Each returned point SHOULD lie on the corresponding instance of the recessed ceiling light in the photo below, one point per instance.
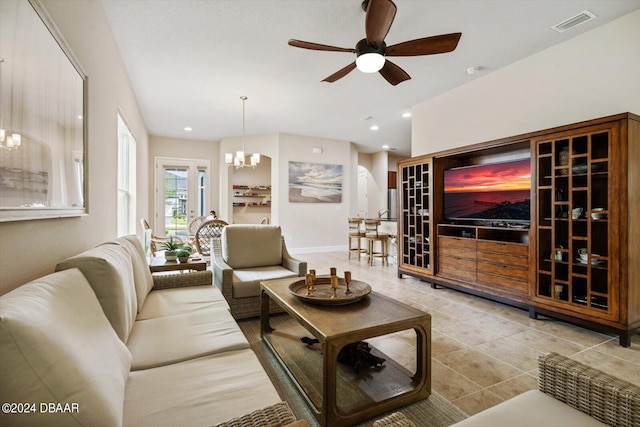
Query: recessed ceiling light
(406, 115)
(472, 70)
(374, 127)
(385, 147)
(188, 129)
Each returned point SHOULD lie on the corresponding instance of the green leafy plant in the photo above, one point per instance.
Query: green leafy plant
(183, 253)
(171, 246)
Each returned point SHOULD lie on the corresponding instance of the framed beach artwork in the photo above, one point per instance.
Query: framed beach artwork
(43, 113)
(315, 183)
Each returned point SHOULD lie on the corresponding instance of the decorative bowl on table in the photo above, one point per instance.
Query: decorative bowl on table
(322, 293)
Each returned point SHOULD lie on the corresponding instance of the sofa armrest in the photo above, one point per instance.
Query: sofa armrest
(290, 263)
(604, 397)
(222, 272)
(196, 278)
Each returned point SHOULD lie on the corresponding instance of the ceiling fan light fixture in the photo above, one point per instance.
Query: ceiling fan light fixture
(370, 62)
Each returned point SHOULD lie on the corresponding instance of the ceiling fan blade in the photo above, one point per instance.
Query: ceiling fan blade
(340, 73)
(318, 46)
(380, 14)
(393, 74)
(425, 46)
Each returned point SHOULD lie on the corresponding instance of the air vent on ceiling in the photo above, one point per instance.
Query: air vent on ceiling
(578, 19)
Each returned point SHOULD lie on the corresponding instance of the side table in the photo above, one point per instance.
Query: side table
(159, 264)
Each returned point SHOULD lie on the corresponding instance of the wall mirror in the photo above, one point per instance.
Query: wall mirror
(42, 118)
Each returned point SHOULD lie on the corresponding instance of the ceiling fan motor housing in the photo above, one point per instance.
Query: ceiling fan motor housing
(363, 47)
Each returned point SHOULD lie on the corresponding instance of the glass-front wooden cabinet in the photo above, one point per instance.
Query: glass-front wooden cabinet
(575, 194)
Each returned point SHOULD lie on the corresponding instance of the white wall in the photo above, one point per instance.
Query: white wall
(315, 225)
(592, 75)
(380, 173)
(43, 243)
(377, 166)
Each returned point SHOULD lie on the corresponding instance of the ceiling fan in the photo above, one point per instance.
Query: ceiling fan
(372, 50)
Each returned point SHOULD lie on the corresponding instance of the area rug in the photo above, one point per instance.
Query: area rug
(434, 411)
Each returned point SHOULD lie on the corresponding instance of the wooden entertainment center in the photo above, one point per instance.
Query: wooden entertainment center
(585, 198)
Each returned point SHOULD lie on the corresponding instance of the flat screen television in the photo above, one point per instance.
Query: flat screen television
(494, 192)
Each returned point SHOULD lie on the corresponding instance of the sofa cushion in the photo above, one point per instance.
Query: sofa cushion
(108, 270)
(203, 391)
(171, 339)
(57, 346)
(142, 278)
(251, 245)
(167, 302)
(246, 281)
(530, 409)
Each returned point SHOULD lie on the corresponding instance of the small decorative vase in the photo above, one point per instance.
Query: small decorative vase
(170, 255)
(183, 259)
(559, 289)
(563, 160)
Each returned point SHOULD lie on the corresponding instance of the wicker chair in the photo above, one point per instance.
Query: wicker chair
(155, 240)
(587, 390)
(210, 229)
(195, 223)
(245, 255)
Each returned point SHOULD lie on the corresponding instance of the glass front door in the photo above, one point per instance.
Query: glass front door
(181, 189)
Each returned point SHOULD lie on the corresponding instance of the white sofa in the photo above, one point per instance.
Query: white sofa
(98, 337)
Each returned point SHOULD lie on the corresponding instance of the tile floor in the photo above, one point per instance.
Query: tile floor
(483, 352)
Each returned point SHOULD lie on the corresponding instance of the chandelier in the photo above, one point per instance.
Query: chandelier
(8, 141)
(240, 159)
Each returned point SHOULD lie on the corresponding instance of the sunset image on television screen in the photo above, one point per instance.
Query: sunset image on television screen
(493, 177)
(497, 191)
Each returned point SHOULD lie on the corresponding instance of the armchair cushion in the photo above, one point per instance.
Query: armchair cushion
(246, 281)
(265, 242)
(531, 409)
(58, 346)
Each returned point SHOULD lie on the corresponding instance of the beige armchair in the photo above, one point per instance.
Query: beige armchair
(244, 256)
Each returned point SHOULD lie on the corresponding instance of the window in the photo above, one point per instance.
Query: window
(126, 180)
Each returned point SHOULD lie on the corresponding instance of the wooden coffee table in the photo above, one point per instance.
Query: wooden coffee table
(335, 393)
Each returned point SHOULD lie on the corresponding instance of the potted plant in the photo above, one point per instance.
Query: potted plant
(183, 254)
(170, 248)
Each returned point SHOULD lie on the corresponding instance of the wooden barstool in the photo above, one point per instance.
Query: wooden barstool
(372, 235)
(357, 234)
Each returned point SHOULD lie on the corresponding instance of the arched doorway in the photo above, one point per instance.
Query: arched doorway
(251, 193)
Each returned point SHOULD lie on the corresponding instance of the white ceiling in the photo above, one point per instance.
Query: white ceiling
(189, 61)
